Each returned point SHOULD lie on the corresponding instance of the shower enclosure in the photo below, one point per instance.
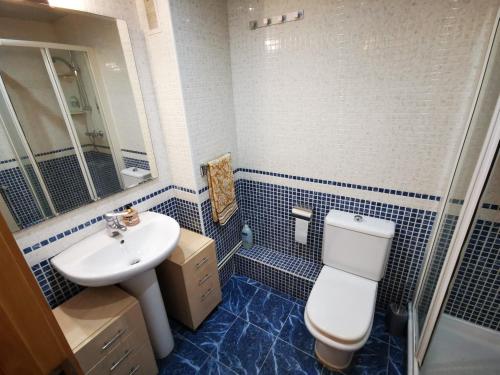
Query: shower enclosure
(56, 136)
(455, 316)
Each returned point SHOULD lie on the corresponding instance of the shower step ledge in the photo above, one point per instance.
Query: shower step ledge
(293, 265)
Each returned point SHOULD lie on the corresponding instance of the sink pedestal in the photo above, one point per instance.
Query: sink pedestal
(145, 288)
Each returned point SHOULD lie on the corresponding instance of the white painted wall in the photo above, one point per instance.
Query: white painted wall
(372, 93)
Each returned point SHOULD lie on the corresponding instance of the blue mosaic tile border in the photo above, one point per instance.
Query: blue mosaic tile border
(134, 151)
(278, 279)
(266, 208)
(92, 221)
(135, 163)
(282, 261)
(226, 271)
(187, 215)
(7, 161)
(57, 289)
(344, 184)
(54, 286)
(474, 295)
(226, 236)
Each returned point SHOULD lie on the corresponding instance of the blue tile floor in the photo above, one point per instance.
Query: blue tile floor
(259, 330)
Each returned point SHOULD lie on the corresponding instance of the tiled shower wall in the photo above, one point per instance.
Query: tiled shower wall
(64, 181)
(474, 291)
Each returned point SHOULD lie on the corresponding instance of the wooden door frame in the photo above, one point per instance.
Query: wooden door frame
(31, 341)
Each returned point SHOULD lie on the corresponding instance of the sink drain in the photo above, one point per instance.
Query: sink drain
(134, 261)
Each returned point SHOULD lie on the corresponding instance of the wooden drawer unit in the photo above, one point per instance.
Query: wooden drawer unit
(106, 331)
(189, 279)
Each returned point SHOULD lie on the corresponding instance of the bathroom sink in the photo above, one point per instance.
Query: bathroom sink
(128, 259)
(100, 260)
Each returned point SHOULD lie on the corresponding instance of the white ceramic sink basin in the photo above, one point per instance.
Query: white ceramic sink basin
(129, 260)
(100, 260)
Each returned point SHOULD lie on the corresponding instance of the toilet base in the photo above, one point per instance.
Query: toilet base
(332, 358)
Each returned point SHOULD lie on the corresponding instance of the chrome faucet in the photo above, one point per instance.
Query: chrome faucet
(113, 225)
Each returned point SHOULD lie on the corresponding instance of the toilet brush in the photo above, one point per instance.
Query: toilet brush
(396, 317)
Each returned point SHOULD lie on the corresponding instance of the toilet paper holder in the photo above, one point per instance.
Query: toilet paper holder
(302, 213)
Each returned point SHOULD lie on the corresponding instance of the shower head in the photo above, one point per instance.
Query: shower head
(72, 67)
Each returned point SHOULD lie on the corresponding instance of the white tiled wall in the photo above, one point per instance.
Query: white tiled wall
(202, 42)
(163, 62)
(367, 92)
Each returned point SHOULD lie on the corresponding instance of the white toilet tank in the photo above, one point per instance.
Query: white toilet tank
(133, 176)
(357, 244)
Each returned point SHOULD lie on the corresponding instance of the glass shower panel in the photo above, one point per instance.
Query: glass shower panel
(77, 83)
(32, 95)
(466, 339)
(483, 112)
(20, 191)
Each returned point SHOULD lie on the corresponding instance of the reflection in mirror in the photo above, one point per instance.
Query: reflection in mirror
(72, 122)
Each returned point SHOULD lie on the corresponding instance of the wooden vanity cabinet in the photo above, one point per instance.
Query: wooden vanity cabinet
(106, 331)
(189, 279)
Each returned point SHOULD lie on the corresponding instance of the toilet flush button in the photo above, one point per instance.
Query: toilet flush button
(358, 218)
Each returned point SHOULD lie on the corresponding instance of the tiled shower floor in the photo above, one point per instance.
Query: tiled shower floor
(258, 330)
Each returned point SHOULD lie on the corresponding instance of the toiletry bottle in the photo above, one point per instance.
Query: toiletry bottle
(247, 237)
(131, 218)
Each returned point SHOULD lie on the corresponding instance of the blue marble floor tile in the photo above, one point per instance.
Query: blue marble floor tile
(285, 359)
(295, 331)
(371, 359)
(212, 367)
(226, 344)
(253, 282)
(244, 347)
(236, 295)
(396, 361)
(267, 311)
(378, 327)
(175, 326)
(211, 332)
(398, 342)
(185, 359)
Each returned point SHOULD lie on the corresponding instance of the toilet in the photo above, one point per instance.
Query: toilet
(340, 309)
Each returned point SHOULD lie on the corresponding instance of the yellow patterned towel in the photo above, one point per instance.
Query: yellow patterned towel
(221, 189)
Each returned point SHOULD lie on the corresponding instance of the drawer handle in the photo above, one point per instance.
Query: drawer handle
(204, 296)
(134, 370)
(122, 358)
(204, 279)
(202, 262)
(108, 344)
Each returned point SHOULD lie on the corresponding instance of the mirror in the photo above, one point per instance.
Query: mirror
(73, 128)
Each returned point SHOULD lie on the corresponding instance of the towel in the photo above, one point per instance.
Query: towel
(221, 189)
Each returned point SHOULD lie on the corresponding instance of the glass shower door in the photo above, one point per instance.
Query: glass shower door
(77, 83)
(466, 339)
(429, 296)
(43, 125)
(20, 193)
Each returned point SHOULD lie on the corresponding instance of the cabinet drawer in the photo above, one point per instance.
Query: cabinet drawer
(117, 360)
(196, 282)
(109, 339)
(197, 266)
(142, 362)
(204, 301)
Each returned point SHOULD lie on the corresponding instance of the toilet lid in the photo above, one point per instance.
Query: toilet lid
(341, 305)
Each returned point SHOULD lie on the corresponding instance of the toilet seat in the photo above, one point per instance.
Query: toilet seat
(340, 308)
